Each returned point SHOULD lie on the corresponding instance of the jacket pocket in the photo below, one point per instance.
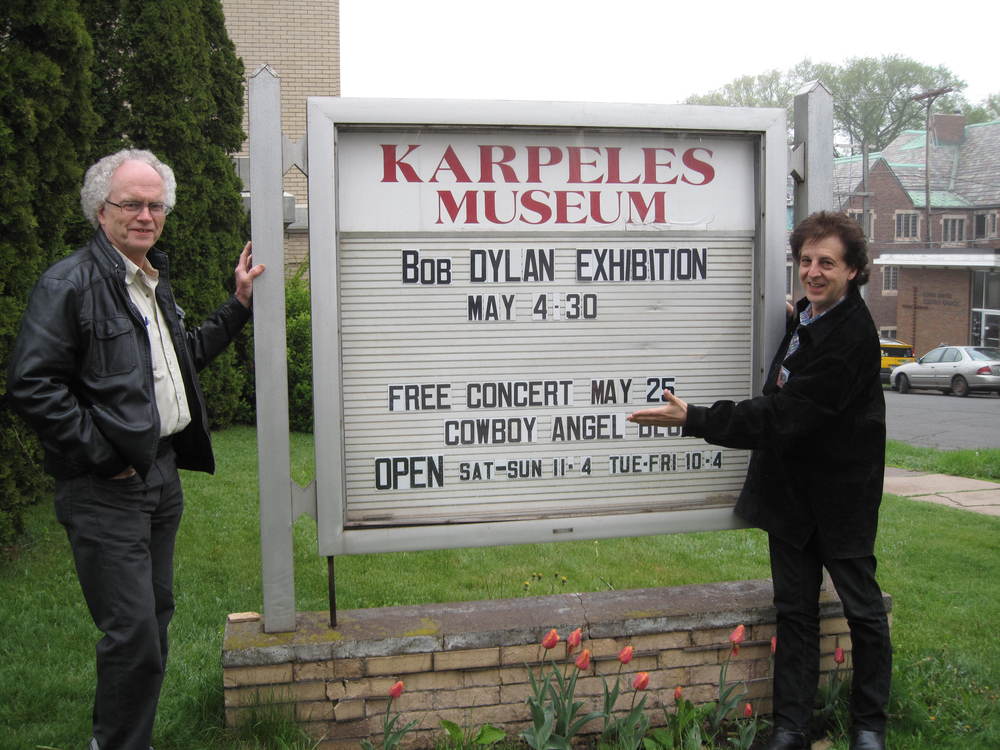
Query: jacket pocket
(113, 347)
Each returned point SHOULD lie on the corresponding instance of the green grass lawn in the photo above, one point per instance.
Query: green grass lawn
(941, 565)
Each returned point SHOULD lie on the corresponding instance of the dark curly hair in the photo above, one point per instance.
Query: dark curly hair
(823, 224)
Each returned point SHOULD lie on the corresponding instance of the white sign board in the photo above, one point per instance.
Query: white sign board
(497, 285)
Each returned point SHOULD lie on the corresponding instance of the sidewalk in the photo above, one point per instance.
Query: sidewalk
(955, 492)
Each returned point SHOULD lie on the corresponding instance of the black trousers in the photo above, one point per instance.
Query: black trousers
(797, 576)
(122, 535)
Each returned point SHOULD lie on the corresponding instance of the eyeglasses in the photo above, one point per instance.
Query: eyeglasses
(134, 208)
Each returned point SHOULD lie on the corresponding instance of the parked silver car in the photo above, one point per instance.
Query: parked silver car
(951, 369)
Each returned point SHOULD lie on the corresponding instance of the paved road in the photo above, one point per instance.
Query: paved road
(933, 420)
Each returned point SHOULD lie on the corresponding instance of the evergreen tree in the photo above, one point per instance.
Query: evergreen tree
(46, 123)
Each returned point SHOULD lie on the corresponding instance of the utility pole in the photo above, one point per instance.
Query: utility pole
(929, 96)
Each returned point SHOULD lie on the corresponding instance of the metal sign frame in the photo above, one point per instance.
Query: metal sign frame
(327, 116)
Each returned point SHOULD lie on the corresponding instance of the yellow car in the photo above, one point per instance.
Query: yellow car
(894, 354)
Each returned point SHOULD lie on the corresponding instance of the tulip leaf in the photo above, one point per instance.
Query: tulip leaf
(489, 735)
(454, 730)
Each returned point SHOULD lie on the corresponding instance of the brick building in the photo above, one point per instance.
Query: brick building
(300, 41)
(947, 289)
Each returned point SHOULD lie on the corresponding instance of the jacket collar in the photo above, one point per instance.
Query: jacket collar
(821, 328)
(108, 257)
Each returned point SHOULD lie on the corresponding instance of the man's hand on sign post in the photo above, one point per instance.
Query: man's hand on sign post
(671, 414)
(244, 275)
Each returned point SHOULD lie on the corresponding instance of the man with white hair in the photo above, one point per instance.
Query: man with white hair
(105, 371)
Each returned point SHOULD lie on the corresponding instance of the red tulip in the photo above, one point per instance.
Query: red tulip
(747, 711)
(678, 692)
(737, 637)
(774, 643)
(573, 640)
(625, 655)
(396, 690)
(583, 660)
(838, 655)
(641, 681)
(550, 639)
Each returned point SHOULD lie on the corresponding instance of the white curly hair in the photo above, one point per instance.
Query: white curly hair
(97, 182)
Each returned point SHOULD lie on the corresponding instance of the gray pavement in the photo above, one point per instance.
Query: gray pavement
(955, 492)
(931, 420)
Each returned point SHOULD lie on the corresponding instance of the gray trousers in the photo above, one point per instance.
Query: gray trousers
(122, 535)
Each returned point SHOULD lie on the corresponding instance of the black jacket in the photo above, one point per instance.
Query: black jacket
(818, 442)
(81, 373)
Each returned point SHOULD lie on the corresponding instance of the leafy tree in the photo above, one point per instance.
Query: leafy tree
(773, 88)
(986, 111)
(46, 122)
(872, 97)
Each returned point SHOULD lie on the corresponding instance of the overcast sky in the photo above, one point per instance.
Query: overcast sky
(658, 51)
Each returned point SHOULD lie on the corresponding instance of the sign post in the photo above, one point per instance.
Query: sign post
(274, 462)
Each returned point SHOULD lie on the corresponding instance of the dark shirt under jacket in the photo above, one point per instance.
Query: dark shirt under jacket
(819, 441)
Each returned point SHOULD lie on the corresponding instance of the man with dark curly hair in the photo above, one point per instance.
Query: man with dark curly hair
(105, 371)
(814, 483)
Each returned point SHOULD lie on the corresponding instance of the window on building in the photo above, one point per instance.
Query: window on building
(985, 322)
(865, 221)
(890, 278)
(985, 225)
(953, 230)
(985, 329)
(906, 225)
(981, 227)
(886, 332)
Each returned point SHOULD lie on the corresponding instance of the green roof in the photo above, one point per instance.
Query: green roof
(919, 140)
(939, 199)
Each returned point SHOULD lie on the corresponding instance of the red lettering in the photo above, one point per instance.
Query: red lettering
(575, 153)
(535, 164)
(451, 163)
(638, 202)
(487, 162)
(490, 207)
(563, 205)
(614, 167)
(650, 166)
(390, 164)
(706, 170)
(532, 204)
(446, 200)
(595, 207)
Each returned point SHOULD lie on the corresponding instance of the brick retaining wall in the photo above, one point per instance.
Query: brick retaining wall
(467, 661)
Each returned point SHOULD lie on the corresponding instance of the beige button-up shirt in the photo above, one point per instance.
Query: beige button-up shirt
(168, 383)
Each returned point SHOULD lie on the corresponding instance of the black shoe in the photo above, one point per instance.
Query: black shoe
(787, 739)
(867, 739)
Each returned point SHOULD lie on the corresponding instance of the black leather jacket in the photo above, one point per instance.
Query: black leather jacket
(81, 373)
